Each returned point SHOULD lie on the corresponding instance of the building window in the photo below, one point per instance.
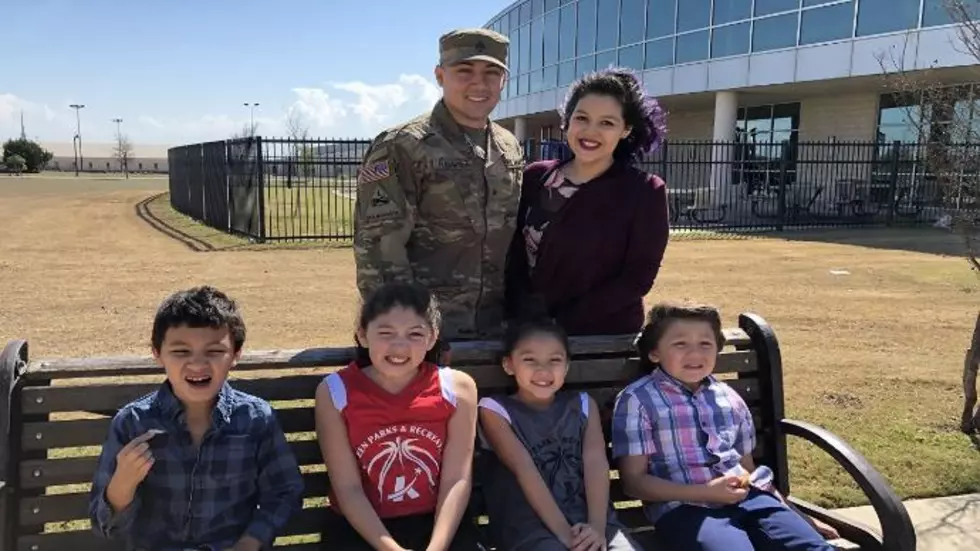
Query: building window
(883, 16)
(90, 165)
(632, 21)
(549, 77)
(605, 60)
(584, 65)
(828, 23)
(730, 40)
(728, 11)
(693, 14)
(692, 47)
(660, 53)
(551, 37)
(631, 56)
(660, 17)
(537, 8)
(514, 52)
(156, 166)
(525, 12)
(899, 118)
(566, 73)
(586, 26)
(773, 33)
(761, 132)
(550, 5)
(514, 18)
(566, 43)
(525, 39)
(767, 7)
(537, 44)
(140, 166)
(607, 34)
(808, 3)
(537, 81)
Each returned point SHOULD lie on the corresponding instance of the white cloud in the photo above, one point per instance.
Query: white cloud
(11, 107)
(351, 109)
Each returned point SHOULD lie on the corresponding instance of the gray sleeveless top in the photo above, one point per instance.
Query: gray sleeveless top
(554, 439)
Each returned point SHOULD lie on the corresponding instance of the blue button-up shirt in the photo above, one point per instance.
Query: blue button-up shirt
(242, 480)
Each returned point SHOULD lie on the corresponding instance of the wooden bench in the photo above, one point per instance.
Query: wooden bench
(51, 441)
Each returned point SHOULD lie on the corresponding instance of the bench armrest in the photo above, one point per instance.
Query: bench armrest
(898, 534)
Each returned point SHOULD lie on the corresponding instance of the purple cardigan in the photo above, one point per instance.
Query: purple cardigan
(599, 256)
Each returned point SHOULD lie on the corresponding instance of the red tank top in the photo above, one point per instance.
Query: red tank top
(397, 438)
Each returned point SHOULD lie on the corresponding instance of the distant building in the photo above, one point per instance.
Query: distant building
(98, 157)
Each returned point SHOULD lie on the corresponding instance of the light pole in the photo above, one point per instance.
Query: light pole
(77, 140)
(123, 154)
(251, 116)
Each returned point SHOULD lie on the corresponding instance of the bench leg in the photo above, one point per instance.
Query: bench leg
(13, 359)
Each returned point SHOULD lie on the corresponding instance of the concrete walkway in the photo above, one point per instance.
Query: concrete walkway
(941, 524)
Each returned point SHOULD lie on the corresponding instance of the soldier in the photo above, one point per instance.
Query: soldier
(437, 196)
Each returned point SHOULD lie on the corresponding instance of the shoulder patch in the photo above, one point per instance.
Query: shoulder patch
(381, 206)
(374, 172)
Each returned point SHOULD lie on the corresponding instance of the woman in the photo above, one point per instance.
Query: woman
(592, 230)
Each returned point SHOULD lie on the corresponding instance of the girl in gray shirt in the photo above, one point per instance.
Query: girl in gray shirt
(549, 485)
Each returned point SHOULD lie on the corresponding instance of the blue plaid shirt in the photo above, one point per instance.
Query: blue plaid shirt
(243, 480)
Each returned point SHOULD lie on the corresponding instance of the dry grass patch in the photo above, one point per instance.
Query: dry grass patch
(874, 355)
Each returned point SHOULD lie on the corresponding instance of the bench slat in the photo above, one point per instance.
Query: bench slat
(463, 352)
(110, 397)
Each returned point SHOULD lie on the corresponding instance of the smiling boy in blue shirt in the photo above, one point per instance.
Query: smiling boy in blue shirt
(196, 464)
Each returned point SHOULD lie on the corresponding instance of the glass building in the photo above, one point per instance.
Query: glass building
(800, 69)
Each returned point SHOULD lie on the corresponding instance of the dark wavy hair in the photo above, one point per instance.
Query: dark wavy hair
(642, 113)
(198, 307)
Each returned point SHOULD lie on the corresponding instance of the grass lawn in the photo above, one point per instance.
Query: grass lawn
(874, 354)
(323, 209)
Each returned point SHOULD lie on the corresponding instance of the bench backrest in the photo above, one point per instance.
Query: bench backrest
(54, 436)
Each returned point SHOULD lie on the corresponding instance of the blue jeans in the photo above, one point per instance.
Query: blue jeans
(760, 522)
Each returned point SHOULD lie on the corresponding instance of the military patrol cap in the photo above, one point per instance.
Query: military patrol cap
(473, 45)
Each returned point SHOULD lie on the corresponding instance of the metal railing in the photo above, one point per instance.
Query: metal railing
(284, 189)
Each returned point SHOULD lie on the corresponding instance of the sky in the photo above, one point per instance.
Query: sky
(179, 71)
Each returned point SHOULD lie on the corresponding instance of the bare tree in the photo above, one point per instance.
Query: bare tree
(123, 152)
(298, 127)
(947, 127)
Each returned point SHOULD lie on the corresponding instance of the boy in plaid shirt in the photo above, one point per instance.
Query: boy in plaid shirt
(195, 464)
(684, 440)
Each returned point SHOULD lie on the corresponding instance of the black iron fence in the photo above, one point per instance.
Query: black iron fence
(283, 189)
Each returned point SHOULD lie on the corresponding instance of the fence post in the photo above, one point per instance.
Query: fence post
(259, 168)
(663, 159)
(781, 196)
(893, 184)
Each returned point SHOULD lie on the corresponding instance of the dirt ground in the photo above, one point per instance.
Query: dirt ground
(873, 324)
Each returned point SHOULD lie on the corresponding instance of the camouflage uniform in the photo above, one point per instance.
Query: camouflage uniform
(437, 207)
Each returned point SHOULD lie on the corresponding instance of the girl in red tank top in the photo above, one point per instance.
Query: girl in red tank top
(397, 433)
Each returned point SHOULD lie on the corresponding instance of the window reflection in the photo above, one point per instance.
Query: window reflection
(882, 16)
(608, 24)
(586, 26)
(605, 59)
(631, 56)
(632, 21)
(766, 7)
(730, 40)
(566, 42)
(660, 17)
(692, 47)
(537, 43)
(584, 65)
(693, 14)
(773, 33)
(551, 36)
(566, 73)
(825, 24)
(659, 53)
(729, 11)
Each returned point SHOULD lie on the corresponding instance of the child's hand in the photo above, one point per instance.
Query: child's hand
(827, 531)
(587, 538)
(726, 490)
(133, 463)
